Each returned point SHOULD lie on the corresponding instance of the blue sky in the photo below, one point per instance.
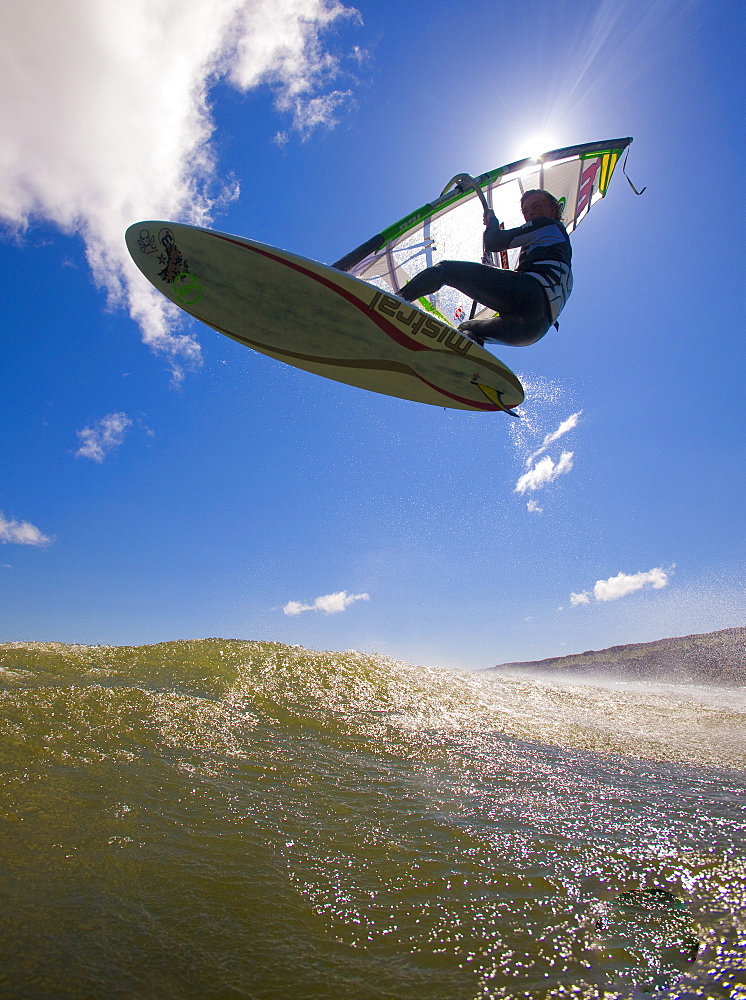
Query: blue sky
(163, 482)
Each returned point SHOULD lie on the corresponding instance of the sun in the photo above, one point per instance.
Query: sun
(534, 147)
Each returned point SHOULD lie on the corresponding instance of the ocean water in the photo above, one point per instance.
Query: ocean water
(232, 819)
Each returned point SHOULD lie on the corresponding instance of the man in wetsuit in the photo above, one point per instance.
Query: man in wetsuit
(529, 299)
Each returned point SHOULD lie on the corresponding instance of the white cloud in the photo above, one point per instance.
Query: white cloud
(621, 585)
(295, 607)
(564, 427)
(21, 533)
(624, 583)
(115, 123)
(106, 434)
(330, 604)
(545, 471)
(534, 508)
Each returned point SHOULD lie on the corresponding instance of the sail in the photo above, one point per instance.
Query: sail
(451, 227)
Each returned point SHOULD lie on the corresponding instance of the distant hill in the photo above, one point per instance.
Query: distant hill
(713, 658)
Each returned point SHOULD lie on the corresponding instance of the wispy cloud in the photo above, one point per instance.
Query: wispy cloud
(330, 604)
(545, 471)
(621, 585)
(21, 533)
(534, 508)
(567, 425)
(122, 125)
(103, 437)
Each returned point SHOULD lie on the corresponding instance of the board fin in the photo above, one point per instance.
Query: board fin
(494, 396)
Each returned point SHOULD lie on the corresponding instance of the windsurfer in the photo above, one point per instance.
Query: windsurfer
(527, 300)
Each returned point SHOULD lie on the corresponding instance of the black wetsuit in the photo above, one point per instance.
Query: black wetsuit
(529, 299)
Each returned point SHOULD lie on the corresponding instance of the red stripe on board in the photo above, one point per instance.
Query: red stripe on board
(388, 328)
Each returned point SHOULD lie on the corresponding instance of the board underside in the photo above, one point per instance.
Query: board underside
(319, 319)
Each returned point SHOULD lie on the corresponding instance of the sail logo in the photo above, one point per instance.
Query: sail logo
(587, 180)
(419, 323)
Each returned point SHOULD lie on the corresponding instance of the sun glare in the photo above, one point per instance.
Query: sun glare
(535, 147)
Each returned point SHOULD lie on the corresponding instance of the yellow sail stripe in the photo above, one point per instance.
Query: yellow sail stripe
(608, 162)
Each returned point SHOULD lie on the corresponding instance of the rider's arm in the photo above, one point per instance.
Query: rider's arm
(538, 231)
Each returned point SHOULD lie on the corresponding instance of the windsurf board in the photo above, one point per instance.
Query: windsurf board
(319, 319)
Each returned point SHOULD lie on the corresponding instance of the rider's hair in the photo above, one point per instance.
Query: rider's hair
(557, 206)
